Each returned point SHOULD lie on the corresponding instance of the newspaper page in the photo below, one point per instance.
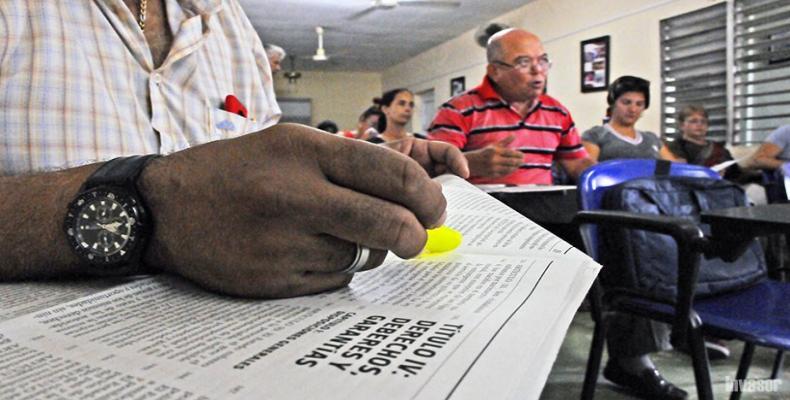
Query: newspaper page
(20, 298)
(490, 227)
(502, 188)
(464, 325)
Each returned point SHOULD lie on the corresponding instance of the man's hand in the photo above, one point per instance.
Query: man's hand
(277, 213)
(435, 157)
(494, 160)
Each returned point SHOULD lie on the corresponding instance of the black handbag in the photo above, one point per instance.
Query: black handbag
(647, 262)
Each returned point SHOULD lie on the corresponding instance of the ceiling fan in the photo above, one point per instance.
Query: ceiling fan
(320, 53)
(390, 4)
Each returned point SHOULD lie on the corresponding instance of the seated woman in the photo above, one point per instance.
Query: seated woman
(397, 106)
(693, 147)
(628, 97)
(630, 339)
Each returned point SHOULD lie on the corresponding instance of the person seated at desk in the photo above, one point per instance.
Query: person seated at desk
(509, 130)
(366, 125)
(89, 82)
(628, 98)
(630, 339)
(693, 146)
(775, 150)
(397, 107)
(773, 156)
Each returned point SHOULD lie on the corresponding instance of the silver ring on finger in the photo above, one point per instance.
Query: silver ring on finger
(360, 259)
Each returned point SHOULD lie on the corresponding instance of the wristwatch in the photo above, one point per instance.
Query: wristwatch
(107, 224)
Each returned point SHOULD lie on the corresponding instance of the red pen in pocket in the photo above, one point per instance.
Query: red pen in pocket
(233, 105)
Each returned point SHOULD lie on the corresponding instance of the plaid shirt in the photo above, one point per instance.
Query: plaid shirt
(78, 85)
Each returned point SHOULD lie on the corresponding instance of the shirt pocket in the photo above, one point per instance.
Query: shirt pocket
(225, 125)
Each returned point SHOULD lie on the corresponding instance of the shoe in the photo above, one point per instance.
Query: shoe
(716, 349)
(649, 384)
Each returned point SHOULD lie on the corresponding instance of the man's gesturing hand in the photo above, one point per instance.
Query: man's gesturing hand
(277, 213)
(435, 157)
(494, 160)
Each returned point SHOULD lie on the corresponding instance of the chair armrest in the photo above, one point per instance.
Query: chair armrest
(690, 242)
(681, 229)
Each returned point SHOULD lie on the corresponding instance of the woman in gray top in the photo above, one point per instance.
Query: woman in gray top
(628, 97)
(631, 339)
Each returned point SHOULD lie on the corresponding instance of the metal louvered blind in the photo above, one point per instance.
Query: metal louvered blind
(762, 68)
(694, 68)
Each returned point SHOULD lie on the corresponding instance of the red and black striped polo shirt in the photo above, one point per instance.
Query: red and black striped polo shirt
(480, 117)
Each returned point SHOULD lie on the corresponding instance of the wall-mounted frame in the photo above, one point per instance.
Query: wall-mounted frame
(457, 86)
(595, 64)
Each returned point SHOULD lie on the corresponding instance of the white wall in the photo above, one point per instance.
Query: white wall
(337, 96)
(633, 27)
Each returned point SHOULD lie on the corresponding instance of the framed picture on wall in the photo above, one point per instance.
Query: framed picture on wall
(457, 86)
(595, 64)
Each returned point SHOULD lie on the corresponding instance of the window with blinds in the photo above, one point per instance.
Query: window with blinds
(696, 59)
(694, 68)
(761, 68)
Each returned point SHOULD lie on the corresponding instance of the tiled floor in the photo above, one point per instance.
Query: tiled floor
(567, 375)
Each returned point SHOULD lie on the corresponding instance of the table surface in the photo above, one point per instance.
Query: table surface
(733, 229)
(777, 215)
(557, 206)
(552, 209)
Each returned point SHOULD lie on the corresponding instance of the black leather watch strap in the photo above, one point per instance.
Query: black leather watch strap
(121, 171)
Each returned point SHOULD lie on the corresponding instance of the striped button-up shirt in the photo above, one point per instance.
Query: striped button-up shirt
(78, 84)
(480, 117)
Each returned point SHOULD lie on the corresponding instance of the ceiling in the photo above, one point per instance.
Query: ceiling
(373, 42)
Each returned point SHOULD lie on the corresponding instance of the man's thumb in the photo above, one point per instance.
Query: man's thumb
(506, 141)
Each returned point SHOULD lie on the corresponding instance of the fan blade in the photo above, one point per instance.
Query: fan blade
(431, 3)
(362, 13)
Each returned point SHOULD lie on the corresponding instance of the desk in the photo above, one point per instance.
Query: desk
(551, 208)
(732, 229)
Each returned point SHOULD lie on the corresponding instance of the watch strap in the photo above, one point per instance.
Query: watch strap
(121, 171)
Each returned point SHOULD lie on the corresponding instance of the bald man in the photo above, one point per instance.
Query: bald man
(509, 130)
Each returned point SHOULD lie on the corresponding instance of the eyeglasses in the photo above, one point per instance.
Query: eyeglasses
(526, 63)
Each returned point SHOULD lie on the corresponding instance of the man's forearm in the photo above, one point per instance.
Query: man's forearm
(32, 242)
(575, 167)
(767, 163)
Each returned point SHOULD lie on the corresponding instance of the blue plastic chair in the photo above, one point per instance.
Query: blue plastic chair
(758, 315)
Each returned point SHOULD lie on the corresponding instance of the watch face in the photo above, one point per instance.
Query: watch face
(103, 225)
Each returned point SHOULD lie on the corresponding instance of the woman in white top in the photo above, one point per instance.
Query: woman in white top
(397, 107)
(628, 98)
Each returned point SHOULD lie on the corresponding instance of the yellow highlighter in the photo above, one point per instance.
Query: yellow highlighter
(441, 240)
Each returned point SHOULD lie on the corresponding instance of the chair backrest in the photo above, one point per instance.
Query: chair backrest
(595, 180)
